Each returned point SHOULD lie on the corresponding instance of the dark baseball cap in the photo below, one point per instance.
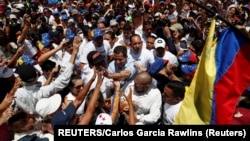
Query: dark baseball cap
(95, 57)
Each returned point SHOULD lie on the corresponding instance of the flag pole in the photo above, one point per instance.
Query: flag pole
(219, 17)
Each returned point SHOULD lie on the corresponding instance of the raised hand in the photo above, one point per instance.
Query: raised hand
(128, 96)
(63, 42)
(20, 51)
(6, 115)
(99, 78)
(170, 69)
(17, 84)
(94, 74)
(77, 41)
(105, 71)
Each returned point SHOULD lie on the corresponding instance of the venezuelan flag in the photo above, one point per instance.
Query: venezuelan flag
(221, 77)
(232, 74)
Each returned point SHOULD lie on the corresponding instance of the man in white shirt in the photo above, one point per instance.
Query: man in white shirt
(173, 95)
(96, 59)
(28, 95)
(142, 56)
(147, 99)
(173, 14)
(147, 32)
(137, 20)
(161, 52)
(97, 44)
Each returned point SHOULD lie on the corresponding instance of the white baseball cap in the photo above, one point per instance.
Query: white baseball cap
(46, 106)
(103, 119)
(159, 42)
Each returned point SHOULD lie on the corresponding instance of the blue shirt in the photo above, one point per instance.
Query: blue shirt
(129, 65)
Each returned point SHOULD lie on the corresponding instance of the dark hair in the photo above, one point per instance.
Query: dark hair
(72, 80)
(198, 45)
(95, 16)
(27, 73)
(152, 36)
(18, 121)
(48, 65)
(146, 23)
(43, 19)
(121, 49)
(121, 20)
(34, 37)
(127, 27)
(60, 29)
(71, 24)
(111, 33)
(178, 88)
(85, 30)
(70, 42)
(136, 14)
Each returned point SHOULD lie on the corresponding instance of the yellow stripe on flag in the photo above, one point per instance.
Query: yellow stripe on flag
(196, 107)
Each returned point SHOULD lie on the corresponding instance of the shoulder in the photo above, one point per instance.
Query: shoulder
(155, 91)
(89, 44)
(106, 43)
(146, 52)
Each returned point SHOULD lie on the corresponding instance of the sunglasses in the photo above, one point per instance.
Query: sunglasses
(141, 86)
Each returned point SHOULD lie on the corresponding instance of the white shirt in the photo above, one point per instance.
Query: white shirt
(170, 112)
(29, 49)
(27, 96)
(117, 43)
(18, 136)
(126, 41)
(105, 50)
(144, 58)
(148, 105)
(67, 56)
(80, 109)
(57, 57)
(139, 30)
(173, 15)
(82, 46)
(167, 56)
(42, 79)
(51, 20)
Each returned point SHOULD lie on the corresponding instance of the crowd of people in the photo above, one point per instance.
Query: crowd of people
(103, 62)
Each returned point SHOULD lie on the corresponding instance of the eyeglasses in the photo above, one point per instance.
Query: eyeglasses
(141, 86)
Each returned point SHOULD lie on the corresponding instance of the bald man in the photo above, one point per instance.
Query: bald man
(147, 99)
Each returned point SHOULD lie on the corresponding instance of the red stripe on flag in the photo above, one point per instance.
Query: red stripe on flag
(230, 87)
